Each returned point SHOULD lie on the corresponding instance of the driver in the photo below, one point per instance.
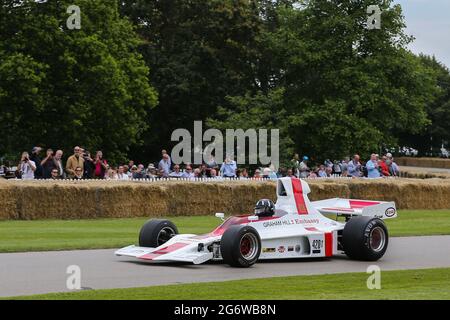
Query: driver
(264, 208)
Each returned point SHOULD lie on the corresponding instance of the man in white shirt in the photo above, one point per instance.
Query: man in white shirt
(27, 167)
(122, 175)
(176, 173)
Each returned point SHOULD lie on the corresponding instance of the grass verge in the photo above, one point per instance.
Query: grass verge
(19, 236)
(423, 284)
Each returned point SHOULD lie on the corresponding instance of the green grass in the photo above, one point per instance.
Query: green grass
(16, 236)
(406, 284)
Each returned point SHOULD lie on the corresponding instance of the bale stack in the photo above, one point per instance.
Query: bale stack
(107, 199)
(424, 162)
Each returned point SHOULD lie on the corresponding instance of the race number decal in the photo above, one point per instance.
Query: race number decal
(317, 244)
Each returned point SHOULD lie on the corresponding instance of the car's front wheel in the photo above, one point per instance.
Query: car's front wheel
(240, 246)
(365, 238)
(155, 233)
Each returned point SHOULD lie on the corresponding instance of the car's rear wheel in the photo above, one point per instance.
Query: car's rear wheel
(365, 238)
(240, 246)
(155, 233)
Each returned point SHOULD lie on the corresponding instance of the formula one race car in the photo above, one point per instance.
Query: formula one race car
(292, 228)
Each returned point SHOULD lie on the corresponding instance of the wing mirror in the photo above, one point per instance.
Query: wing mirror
(253, 218)
(220, 215)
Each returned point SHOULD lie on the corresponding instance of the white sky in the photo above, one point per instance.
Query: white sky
(429, 22)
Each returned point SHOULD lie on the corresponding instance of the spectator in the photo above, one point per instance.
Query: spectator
(282, 172)
(164, 152)
(100, 165)
(290, 173)
(384, 169)
(328, 171)
(59, 165)
(78, 173)
(257, 174)
(394, 170)
(38, 174)
(139, 173)
(89, 166)
(328, 163)
(152, 172)
(48, 164)
(188, 172)
(303, 168)
(228, 168)
(204, 171)
(133, 170)
(54, 175)
(74, 161)
(373, 167)
(269, 174)
(111, 174)
(213, 174)
(211, 163)
(344, 167)
(322, 172)
(197, 173)
(122, 174)
(243, 174)
(176, 173)
(295, 162)
(313, 175)
(354, 167)
(26, 167)
(337, 168)
(164, 165)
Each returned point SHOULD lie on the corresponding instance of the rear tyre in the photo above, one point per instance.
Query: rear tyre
(240, 246)
(365, 238)
(155, 233)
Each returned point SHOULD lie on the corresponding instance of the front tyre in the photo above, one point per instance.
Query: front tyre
(240, 246)
(155, 233)
(365, 238)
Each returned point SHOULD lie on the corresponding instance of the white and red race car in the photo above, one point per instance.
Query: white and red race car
(297, 228)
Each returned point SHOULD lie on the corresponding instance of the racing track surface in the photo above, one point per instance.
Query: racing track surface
(44, 272)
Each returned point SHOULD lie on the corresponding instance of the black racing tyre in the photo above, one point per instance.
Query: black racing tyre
(365, 238)
(156, 232)
(240, 246)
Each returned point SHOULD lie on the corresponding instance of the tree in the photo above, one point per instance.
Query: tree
(61, 88)
(200, 52)
(346, 88)
(437, 132)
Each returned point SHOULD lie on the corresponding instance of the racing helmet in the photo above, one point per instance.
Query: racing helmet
(264, 208)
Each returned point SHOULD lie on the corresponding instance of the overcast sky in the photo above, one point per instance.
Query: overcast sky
(429, 22)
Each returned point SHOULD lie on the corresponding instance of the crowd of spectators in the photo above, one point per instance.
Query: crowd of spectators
(375, 167)
(82, 165)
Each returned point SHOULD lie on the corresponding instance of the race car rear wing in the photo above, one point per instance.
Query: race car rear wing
(350, 207)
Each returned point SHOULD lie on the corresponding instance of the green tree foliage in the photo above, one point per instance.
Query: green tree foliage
(61, 88)
(437, 132)
(200, 52)
(346, 88)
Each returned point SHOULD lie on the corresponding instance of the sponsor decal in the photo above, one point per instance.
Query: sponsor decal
(281, 249)
(290, 249)
(390, 212)
(317, 251)
(289, 222)
(297, 248)
(268, 250)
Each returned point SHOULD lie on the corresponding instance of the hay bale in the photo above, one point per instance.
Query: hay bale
(423, 162)
(107, 199)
